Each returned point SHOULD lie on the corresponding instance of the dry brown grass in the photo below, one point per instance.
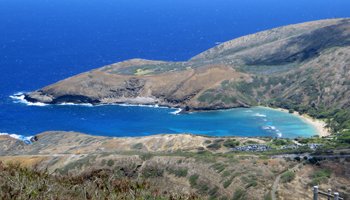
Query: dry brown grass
(17, 182)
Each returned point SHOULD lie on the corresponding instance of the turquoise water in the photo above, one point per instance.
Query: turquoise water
(117, 120)
(44, 41)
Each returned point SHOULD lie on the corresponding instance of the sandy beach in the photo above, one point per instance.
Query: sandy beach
(320, 125)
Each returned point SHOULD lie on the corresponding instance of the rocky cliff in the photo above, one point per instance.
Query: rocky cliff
(304, 64)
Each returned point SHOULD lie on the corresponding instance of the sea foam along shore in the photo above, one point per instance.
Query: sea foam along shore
(19, 97)
(25, 139)
(319, 125)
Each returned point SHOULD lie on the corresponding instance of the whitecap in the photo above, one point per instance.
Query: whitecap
(272, 129)
(279, 134)
(75, 104)
(268, 127)
(25, 139)
(20, 98)
(176, 112)
(138, 105)
(259, 115)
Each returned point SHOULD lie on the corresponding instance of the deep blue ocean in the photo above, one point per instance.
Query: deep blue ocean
(44, 41)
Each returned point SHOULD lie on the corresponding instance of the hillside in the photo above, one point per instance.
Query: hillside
(68, 165)
(302, 67)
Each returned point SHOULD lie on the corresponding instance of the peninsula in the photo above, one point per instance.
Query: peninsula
(302, 68)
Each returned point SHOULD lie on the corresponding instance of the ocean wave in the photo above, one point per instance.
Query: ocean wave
(272, 129)
(25, 139)
(138, 105)
(259, 115)
(19, 98)
(176, 112)
(76, 104)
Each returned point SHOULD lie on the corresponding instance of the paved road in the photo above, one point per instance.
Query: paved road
(310, 156)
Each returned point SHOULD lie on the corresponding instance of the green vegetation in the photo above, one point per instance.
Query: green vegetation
(337, 119)
(193, 180)
(248, 142)
(287, 176)
(202, 187)
(210, 96)
(231, 143)
(155, 68)
(344, 138)
(77, 165)
(152, 172)
(320, 176)
(137, 146)
(225, 174)
(239, 194)
(23, 183)
(213, 193)
(146, 156)
(227, 182)
(268, 196)
(250, 180)
(110, 163)
(180, 172)
(219, 167)
(278, 142)
(215, 145)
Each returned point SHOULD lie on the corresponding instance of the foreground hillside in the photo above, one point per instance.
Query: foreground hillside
(303, 67)
(68, 165)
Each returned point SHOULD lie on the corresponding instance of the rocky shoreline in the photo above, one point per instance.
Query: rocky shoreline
(319, 125)
(234, 74)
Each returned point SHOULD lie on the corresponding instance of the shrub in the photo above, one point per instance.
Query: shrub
(268, 196)
(344, 137)
(214, 146)
(287, 176)
(320, 176)
(110, 163)
(146, 156)
(213, 192)
(252, 183)
(193, 179)
(137, 146)
(23, 183)
(281, 142)
(207, 141)
(250, 142)
(202, 187)
(239, 194)
(225, 174)
(181, 172)
(231, 143)
(227, 182)
(219, 167)
(152, 172)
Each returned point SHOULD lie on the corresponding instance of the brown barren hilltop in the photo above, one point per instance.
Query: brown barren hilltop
(304, 64)
(302, 67)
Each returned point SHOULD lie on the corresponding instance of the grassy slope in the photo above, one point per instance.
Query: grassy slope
(159, 166)
(302, 67)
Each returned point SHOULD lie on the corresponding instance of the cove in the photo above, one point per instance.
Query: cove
(131, 121)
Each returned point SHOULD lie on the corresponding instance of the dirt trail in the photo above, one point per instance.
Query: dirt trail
(277, 180)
